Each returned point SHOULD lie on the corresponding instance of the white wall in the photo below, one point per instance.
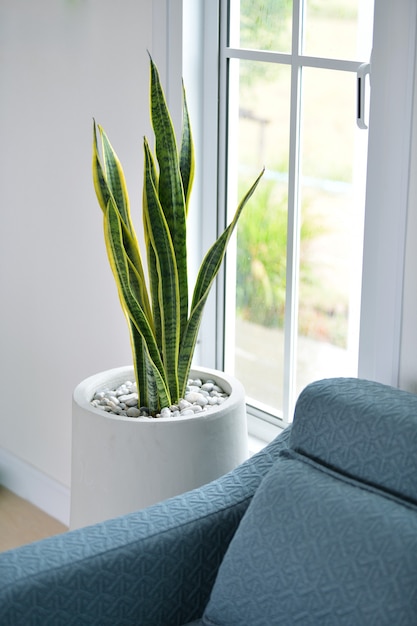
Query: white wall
(61, 63)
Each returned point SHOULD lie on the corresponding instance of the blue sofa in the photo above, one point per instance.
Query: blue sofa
(320, 528)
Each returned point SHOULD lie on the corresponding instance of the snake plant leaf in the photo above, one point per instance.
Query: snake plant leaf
(214, 257)
(150, 253)
(139, 363)
(109, 179)
(166, 266)
(206, 276)
(116, 180)
(103, 184)
(120, 262)
(140, 359)
(170, 188)
(187, 161)
(99, 179)
(145, 380)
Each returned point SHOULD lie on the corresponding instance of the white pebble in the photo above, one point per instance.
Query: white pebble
(129, 400)
(196, 398)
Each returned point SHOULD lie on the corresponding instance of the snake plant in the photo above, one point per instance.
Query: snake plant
(163, 325)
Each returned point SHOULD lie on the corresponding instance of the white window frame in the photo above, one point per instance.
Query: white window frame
(392, 80)
(388, 176)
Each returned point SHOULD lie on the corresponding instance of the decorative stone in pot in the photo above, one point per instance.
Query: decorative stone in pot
(121, 464)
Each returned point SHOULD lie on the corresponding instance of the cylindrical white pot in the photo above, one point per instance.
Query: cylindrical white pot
(122, 464)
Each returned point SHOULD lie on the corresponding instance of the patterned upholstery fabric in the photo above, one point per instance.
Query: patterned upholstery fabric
(317, 549)
(154, 567)
(361, 428)
(330, 537)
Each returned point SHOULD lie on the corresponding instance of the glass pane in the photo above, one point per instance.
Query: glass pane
(264, 25)
(331, 229)
(261, 138)
(334, 28)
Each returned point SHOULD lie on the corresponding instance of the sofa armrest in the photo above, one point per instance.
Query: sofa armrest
(155, 566)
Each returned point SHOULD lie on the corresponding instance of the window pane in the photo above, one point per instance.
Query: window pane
(264, 25)
(331, 229)
(292, 307)
(262, 138)
(333, 28)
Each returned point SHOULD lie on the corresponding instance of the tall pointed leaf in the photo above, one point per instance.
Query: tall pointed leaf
(207, 273)
(103, 185)
(100, 185)
(170, 189)
(135, 312)
(166, 266)
(214, 257)
(116, 180)
(186, 154)
(150, 252)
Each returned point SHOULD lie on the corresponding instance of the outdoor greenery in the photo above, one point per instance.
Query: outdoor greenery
(261, 268)
(261, 256)
(163, 326)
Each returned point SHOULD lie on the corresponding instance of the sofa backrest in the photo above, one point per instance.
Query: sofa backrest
(330, 537)
(362, 429)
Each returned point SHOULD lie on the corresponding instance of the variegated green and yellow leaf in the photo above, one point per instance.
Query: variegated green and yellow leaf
(170, 188)
(116, 180)
(187, 161)
(206, 276)
(104, 193)
(150, 253)
(99, 179)
(166, 266)
(214, 257)
(119, 262)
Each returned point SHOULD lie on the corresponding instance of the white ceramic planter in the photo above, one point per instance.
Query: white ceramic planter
(122, 464)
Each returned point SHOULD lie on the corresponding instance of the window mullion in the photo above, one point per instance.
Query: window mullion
(225, 317)
(293, 227)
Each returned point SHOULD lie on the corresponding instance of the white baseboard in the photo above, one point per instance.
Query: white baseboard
(39, 489)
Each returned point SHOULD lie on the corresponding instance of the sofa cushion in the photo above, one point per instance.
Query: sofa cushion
(362, 428)
(317, 548)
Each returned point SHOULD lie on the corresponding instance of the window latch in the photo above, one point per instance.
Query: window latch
(363, 71)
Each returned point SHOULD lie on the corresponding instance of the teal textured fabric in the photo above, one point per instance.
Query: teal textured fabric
(360, 428)
(316, 548)
(154, 567)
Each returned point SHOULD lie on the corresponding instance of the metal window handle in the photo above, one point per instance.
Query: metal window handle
(363, 70)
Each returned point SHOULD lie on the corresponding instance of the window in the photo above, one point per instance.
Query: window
(289, 77)
(296, 63)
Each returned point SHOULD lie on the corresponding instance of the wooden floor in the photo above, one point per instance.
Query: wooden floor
(21, 522)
